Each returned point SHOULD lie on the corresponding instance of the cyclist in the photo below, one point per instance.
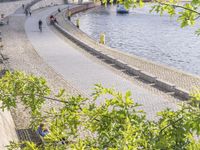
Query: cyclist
(40, 25)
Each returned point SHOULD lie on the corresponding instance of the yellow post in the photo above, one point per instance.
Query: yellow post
(102, 38)
(69, 15)
(77, 23)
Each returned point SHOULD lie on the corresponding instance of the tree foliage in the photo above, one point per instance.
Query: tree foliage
(108, 120)
(187, 12)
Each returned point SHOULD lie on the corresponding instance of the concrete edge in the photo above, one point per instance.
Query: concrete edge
(165, 85)
(130, 69)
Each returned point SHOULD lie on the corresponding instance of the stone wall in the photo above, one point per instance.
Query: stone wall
(7, 128)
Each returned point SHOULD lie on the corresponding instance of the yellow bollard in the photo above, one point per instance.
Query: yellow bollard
(78, 23)
(69, 15)
(102, 38)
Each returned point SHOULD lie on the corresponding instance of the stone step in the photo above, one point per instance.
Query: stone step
(28, 135)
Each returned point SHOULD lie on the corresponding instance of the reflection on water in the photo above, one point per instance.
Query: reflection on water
(147, 35)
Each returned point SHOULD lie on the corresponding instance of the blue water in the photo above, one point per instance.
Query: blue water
(146, 35)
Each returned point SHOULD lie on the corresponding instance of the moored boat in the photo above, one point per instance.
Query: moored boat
(121, 9)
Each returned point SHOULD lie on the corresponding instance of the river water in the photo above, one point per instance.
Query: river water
(145, 34)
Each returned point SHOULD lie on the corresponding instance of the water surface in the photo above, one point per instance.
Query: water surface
(146, 35)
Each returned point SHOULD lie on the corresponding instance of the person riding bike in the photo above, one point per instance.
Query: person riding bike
(40, 25)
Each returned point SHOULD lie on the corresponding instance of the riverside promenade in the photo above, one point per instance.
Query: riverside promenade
(64, 65)
(82, 72)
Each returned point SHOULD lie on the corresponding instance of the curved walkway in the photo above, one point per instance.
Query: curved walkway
(82, 72)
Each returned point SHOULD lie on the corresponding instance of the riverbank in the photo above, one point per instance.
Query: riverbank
(172, 80)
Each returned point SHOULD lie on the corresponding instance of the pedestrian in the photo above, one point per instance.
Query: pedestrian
(42, 130)
(26, 12)
(69, 15)
(51, 19)
(55, 20)
(40, 25)
(59, 10)
(30, 13)
(23, 6)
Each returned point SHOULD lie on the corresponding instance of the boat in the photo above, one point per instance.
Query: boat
(121, 9)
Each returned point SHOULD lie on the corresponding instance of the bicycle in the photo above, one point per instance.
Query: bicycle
(40, 28)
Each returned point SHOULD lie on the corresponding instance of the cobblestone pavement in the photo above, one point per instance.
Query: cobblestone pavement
(23, 57)
(83, 72)
(181, 79)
